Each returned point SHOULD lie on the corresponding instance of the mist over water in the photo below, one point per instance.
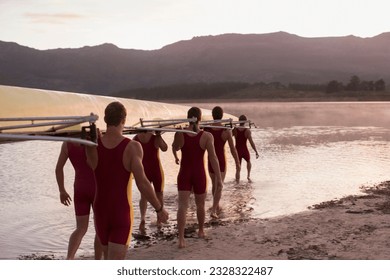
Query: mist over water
(309, 153)
(288, 114)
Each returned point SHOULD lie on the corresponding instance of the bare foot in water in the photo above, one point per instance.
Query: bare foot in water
(204, 236)
(214, 214)
(201, 234)
(159, 225)
(142, 228)
(182, 243)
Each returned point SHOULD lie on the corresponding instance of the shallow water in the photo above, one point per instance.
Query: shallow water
(309, 153)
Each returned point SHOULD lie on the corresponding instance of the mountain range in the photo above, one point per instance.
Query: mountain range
(274, 57)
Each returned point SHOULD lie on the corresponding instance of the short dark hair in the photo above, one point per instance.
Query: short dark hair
(242, 118)
(195, 112)
(114, 113)
(217, 113)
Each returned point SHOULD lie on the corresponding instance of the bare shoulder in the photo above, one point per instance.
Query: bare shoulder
(226, 134)
(64, 147)
(207, 135)
(206, 139)
(178, 135)
(132, 152)
(178, 139)
(134, 146)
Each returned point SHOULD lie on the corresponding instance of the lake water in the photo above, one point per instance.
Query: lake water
(309, 153)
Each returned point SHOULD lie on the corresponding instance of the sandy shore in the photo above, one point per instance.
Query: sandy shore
(352, 228)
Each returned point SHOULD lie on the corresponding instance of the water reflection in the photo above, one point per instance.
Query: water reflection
(303, 165)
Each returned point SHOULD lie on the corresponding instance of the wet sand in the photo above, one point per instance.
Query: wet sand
(352, 228)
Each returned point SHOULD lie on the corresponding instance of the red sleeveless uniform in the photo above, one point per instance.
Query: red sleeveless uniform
(192, 174)
(219, 145)
(84, 181)
(241, 145)
(152, 164)
(113, 205)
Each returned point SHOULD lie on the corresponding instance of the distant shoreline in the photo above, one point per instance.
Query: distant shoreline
(362, 98)
(270, 96)
(287, 100)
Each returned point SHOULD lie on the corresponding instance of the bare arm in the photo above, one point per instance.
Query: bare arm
(233, 149)
(249, 136)
(177, 160)
(177, 144)
(62, 158)
(135, 154)
(213, 156)
(160, 143)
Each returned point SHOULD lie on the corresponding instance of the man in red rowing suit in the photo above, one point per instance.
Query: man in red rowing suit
(84, 194)
(242, 135)
(192, 174)
(221, 136)
(151, 145)
(115, 161)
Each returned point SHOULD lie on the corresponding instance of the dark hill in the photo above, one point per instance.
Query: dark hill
(275, 57)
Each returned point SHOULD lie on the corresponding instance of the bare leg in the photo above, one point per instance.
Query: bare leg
(212, 178)
(77, 235)
(238, 175)
(105, 251)
(143, 205)
(116, 251)
(213, 213)
(217, 194)
(160, 197)
(200, 212)
(249, 167)
(183, 198)
(98, 248)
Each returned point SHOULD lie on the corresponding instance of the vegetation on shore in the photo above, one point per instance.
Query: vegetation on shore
(355, 90)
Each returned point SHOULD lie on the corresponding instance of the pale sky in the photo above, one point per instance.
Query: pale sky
(152, 24)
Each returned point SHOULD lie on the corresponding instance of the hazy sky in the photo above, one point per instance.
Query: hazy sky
(152, 24)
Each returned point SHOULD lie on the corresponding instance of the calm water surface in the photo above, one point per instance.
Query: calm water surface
(309, 153)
